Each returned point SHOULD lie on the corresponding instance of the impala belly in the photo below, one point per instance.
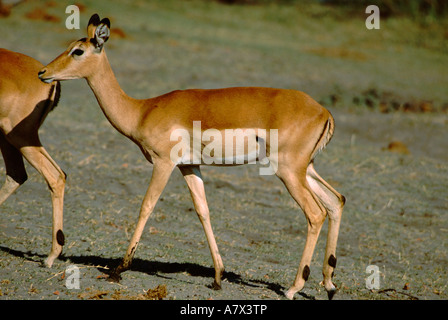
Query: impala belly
(218, 147)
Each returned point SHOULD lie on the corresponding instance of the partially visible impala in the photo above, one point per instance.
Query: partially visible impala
(24, 103)
(304, 128)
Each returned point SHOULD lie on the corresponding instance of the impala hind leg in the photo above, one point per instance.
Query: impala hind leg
(298, 187)
(333, 203)
(15, 169)
(192, 175)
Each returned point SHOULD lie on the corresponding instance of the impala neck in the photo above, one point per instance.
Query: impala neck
(120, 109)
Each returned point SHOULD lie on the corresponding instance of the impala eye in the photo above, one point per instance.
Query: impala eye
(78, 52)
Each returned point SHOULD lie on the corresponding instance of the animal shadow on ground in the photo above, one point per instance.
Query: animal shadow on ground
(156, 268)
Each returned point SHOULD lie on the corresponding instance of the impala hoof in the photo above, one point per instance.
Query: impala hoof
(290, 294)
(114, 277)
(331, 293)
(51, 258)
(49, 262)
(216, 285)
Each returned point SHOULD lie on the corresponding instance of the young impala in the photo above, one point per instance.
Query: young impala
(304, 128)
(24, 103)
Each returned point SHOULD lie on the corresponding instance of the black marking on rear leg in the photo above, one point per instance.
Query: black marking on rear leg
(306, 273)
(60, 238)
(332, 261)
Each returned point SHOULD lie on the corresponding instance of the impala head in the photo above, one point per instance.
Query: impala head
(82, 56)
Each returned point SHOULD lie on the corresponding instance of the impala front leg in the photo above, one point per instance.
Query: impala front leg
(160, 176)
(193, 177)
(39, 158)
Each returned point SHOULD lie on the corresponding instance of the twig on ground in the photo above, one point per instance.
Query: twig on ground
(84, 267)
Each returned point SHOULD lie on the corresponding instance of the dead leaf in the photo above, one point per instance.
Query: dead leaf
(93, 294)
(397, 146)
(118, 33)
(158, 293)
(32, 289)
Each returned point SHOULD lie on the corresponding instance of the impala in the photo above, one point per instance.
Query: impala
(304, 128)
(24, 104)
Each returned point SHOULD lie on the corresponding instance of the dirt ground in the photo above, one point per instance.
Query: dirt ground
(392, 168)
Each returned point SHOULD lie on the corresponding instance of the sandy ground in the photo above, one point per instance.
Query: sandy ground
(392, 169)
(394, 219)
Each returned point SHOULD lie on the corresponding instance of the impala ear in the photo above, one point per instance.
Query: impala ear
(91, 26)
(102, 33)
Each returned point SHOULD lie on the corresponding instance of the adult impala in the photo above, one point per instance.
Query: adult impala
(24, 103)
(304, 128)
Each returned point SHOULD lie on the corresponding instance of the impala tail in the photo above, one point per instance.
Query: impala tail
(327, 134)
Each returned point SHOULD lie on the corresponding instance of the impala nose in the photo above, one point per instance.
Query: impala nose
(41, 72)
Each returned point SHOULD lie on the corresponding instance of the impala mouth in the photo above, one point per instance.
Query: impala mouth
(46, 80)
